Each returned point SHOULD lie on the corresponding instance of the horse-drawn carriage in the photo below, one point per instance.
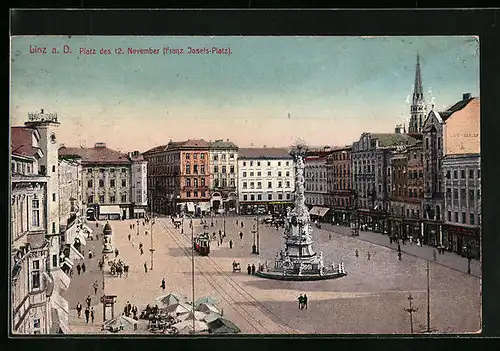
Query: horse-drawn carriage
(202, 244)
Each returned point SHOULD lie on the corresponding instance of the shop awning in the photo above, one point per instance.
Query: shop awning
(139, 210)
(49, 283)
(71, 233)
(111, 209)
(69, 262)
(62, 280)
(74, 253)
(190, 206)
(80, 236)
(318, 211)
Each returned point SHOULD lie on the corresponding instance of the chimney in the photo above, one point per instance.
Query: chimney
(465, 96)
(100, 145)
(397, 130)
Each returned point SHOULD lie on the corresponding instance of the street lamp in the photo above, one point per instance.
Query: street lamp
(257, 249)
(411, 310)
(152, 247)
(254, 246)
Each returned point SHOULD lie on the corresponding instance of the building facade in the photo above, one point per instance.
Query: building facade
(433, 201)
(223, 157)
(315, 181)
(462, 170)
(138, 184)
(372, 176)
(266, 180)
(179, 177)
(339, 185)
(70, 191)
(107, 177)
(36, 277)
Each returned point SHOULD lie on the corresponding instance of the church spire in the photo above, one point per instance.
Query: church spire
(418, 93)
(417, 109)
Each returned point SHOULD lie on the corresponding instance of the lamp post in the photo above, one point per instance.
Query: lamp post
(254, 246)
(152, 247)
(192, 272)
(411, 310)
(258, 238)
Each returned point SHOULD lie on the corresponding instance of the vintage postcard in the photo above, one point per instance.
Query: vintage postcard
(245, 185)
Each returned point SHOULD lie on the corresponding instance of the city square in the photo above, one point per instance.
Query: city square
(370, 299)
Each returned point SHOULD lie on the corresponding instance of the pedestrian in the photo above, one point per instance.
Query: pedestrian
(145, 267)
(95, 285)
(253, 269)
(241, 224)
(399, 255)
(129, 308)
(434, 254)
(90, 254)
(83, 267)
(146, 232)
(241, 235)
(230, 244)
(305, 301)
(79, 309)
(142, 251)
(301, 301)
(78, 268)
(71, 273)
(163, 284)
(140, 246)
(356, 252)
(129, 236)
(83, 253)
(249, 270)
(125, 310)
(390, 239)
(369, 256)
(87, 315)
(236, 222)
(218, 243)
(220, 233)
(221, 239)
(92, 314)
(329, 236)
(116, 253)
(399, 247)
(88, 300)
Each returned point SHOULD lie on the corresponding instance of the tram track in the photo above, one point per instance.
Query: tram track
(249, 317)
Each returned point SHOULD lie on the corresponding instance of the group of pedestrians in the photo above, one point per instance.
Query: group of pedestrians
(251, 269)
(80, 269)
(302, 302)
(89, 311)
(129, 310)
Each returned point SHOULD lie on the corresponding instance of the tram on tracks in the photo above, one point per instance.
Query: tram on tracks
(202, 244)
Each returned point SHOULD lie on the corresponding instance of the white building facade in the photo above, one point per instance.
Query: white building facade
(266, 180)
(139, 184)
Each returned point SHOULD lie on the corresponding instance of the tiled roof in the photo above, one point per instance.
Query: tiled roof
(155, 149)
(96, 155)
(21, 141)
(393, 139)
(456, 107)
(221, 144)
(264, 152)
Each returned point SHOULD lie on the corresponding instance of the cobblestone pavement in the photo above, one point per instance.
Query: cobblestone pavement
(370, 299)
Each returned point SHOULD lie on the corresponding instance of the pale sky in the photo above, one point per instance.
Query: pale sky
(269, 91)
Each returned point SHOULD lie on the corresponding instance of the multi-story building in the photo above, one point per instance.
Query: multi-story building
(372, 177)
(138, 184)
(406, 192)
(107, 177)
(179, 177)
(315, 181)
(70, 191)
(223, 157)
(35, 270)
(339, 185)
(266, 180)
(433, 200)
(462, 170)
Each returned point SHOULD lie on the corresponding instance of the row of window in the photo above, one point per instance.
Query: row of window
(269, 174)
(340, 156)
(269, 185)
(317, 175)
(195, 182)
(287, 163)
(21, 167)
(223, 169)
(196, 193)
(103, 170)
(472, 218)
(112, 199)
(258, 197)
(195, 169)
(195, 155)
(463, 173)
(413, 193)
(223, 157)
(462, 196)
(112, 183)
(223, 182)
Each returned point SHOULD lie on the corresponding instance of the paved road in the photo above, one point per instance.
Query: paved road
(371, 299)
(447, 259)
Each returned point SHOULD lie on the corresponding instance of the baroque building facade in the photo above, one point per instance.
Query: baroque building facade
(223, 157)
(266, 180)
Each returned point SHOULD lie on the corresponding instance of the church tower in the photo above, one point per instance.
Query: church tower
(417, 110)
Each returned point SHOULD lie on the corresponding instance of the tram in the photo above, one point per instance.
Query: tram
(202, 244)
